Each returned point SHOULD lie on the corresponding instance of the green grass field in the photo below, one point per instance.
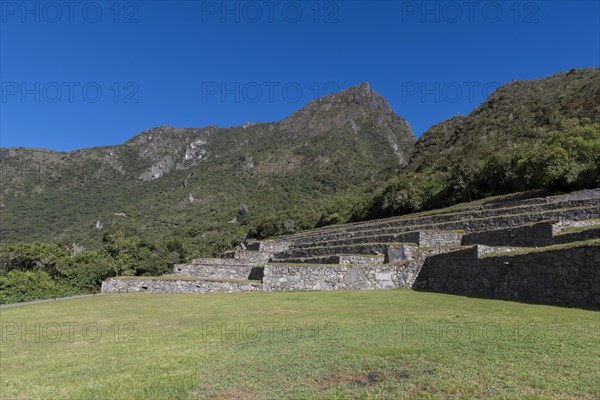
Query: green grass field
(333, 345)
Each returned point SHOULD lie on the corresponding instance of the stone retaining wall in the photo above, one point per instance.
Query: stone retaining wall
(343, 259)
(562, 276)
(176, 286)
(253, 256)
(526, 236)
(357, 259)
(214, 271)
(422, 238)
(515, 201)
(438, 239)
(587, 234)
(272, 246)
(400, 273)
(222, 261)
(401, 252)
(467, 225)
(426, 252)
(330, 277)
(536, 235)
(469, 214)
(368, 248)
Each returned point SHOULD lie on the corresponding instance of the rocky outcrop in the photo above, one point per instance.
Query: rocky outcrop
(159, 169)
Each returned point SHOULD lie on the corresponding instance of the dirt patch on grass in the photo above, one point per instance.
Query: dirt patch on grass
(369, 379)
(362, 380)
(402, 375)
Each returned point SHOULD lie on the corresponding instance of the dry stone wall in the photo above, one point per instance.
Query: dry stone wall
(562, 276)
(221, 261)
(272, 246)
(214, 271)
(576, 208)
(176, 286)
(467, 223)
(330, 277)
(587, 234)
(252, 256)
(535, 235)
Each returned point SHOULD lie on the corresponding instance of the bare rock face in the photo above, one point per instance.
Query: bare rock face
(195, 150)
(247, 164)
(159, 169)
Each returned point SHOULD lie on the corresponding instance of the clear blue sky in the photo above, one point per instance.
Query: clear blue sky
(197, 63)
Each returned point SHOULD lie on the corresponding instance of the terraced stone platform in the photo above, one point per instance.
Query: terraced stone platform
(487, 248)
(167, 284)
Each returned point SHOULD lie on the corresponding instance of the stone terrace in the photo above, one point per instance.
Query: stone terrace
(552, 245)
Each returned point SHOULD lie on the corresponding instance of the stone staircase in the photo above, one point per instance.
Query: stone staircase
(401, 252)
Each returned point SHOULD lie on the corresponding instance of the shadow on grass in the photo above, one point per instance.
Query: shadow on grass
(587, 307)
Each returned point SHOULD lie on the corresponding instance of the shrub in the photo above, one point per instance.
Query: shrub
(18, 286)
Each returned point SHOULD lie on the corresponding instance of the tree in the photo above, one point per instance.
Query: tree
(47, 257)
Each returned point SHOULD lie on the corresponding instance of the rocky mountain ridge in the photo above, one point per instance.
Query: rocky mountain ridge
(328, 149)
(313, 168)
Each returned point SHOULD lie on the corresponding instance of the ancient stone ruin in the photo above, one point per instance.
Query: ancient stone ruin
(544, 249)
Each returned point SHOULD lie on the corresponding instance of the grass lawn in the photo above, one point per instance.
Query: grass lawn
(391, 344)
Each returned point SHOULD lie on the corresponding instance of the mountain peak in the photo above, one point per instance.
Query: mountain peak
(356, 111)
(344, 108)
(361, 95)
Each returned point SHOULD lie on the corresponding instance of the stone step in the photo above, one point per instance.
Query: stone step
(272, 246)
(253, 256)
(563, 225)
(340, 259)
(222, 271)
(542, 234)
(287, 277)
(416, 220)
(221, 261)
(568, 236)
(362, 249)
(468, 225)
(421, 238)
(465, 208)
(162, 284)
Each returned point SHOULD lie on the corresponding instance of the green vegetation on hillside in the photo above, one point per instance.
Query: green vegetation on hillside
(565, 160)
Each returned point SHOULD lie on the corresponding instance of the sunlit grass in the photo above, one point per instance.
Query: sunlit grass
(358, 344)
